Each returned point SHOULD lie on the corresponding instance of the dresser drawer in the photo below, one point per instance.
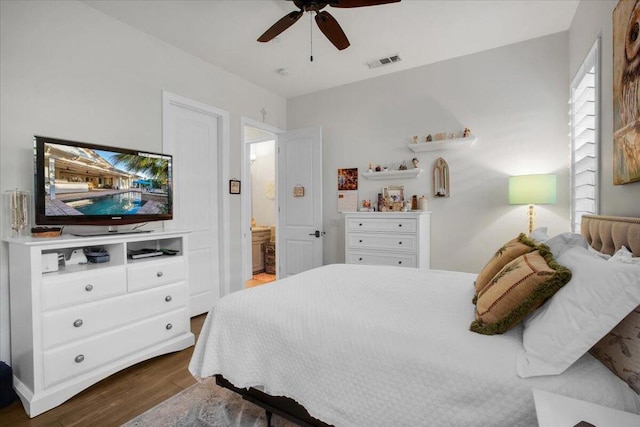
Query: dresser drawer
(71, 360)
(148, 274)
(395, 242)
(74, 288)
(74, 323)
(398, 225)
(400, 260)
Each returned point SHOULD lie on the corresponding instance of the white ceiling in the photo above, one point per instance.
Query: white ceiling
(224, 33)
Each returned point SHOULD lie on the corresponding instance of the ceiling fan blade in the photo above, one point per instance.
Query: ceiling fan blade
(359, 3)
(284, 23)
(330, 28)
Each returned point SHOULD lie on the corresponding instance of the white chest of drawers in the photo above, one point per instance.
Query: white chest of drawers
(388, 238)
(73, 327)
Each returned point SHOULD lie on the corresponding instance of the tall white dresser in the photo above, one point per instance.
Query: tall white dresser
(72, 327)
(388, 238)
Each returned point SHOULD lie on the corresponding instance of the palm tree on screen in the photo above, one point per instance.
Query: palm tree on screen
(155, 168)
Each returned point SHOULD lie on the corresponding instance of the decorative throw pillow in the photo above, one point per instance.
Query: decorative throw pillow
(503, 256)
(619, 350)
(517, 290)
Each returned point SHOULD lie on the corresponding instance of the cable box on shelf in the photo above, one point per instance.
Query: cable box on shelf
(143, 253)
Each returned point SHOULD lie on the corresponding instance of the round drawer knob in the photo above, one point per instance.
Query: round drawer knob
(360, 241)
(399, 262)
(78, 323)
(360, 225)
(159, 274)
(88, 288)
(169, 326)
(79, 358)
(399, 243)
(359, 259)
(168, 298)
(399, 225)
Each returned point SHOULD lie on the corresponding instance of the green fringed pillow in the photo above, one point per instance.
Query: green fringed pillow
(517, 290)
(503, 256)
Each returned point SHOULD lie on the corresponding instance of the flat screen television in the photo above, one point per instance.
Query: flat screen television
(78, 183)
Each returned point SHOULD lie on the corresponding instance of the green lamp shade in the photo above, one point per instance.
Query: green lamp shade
(532, 189)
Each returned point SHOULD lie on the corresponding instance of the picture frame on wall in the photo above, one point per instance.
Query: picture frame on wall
(626, 87)
(234, 186)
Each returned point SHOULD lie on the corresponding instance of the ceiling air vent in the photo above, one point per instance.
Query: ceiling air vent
(387, 60)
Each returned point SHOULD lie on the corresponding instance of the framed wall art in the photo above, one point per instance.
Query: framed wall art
(234, 186)
(626, 92)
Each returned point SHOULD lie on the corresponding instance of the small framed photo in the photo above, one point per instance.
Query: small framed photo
(234, 186)
(393, 193)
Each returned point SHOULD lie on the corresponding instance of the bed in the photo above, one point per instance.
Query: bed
(353, 345)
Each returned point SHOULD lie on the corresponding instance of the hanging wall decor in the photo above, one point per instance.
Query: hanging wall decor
(348, 190)
(234, 186)
(626, 90)
(440, 183)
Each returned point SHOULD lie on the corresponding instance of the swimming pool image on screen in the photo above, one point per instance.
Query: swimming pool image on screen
(113, 204)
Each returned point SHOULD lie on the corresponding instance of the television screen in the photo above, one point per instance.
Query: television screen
(80, 183)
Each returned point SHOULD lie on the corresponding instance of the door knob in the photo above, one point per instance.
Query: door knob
(318, 233)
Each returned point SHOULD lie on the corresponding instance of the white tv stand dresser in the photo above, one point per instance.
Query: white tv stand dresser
(73, 327)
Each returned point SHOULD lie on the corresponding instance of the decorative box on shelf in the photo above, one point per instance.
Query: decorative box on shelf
(394, 174)
(443, 144)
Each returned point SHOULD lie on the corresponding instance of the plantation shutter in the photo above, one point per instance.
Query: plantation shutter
(585, 136)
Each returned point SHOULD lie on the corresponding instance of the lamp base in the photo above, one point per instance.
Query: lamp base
(531, 216)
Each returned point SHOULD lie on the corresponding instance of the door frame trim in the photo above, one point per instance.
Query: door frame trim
(222, 116)
(245, 210)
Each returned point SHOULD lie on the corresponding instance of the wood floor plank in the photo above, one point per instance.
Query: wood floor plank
(119, 397)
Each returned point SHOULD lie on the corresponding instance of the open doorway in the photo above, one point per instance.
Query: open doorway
(260, 205)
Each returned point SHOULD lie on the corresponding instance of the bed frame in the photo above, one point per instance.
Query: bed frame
(283, 406)
(606, 234)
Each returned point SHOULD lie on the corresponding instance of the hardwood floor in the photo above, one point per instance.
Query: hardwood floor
(118, 398)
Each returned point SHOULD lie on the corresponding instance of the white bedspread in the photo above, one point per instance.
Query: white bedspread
(384, 346)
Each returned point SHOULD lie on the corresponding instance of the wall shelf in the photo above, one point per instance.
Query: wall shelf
(396, 174)
(445, 144)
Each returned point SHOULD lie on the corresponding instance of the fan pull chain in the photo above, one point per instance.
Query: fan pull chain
(311, 36)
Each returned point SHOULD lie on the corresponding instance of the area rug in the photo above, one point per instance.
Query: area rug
(206, 405)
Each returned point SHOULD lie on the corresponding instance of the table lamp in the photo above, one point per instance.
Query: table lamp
(532, 190)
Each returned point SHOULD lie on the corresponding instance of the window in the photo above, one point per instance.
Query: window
(585, 136)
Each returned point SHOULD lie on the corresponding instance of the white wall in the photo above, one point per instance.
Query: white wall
(595, 18)
(69, 71)
(513, 98)
(263, 171)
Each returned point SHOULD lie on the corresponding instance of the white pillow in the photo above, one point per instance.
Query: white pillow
(558, 244)
(599, 295)
(626, 256)
(599, 254)
(539, 235)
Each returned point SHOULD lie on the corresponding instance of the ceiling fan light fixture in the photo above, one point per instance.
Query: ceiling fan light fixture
(327, 23)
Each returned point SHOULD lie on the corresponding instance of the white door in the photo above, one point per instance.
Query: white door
(191, 133)
(299, 195)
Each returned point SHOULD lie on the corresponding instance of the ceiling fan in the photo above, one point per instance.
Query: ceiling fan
(327, 23)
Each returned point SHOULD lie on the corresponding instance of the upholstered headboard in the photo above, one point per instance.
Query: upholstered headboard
(607, 234)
